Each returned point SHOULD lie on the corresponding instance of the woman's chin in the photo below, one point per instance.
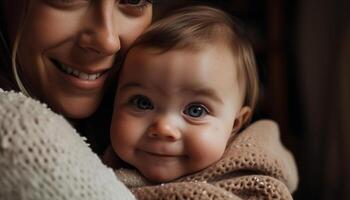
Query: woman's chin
(77, 114)
(76, 108)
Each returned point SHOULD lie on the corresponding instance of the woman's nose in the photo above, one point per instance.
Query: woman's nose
(100, 34)
(165, 130)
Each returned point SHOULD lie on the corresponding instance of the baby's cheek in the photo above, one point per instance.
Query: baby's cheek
(214, 149)
(124, 133)
(207, 147)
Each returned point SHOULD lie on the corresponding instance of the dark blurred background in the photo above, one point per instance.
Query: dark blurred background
(303, 55)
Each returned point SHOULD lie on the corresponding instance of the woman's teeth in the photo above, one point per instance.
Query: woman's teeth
(78, 74)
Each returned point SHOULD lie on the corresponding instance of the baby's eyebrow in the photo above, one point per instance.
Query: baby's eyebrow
(129, 85)
(207, 92)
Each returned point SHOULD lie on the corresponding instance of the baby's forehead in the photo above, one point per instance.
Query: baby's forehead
(209, 61)
(195, 47)
(210, 55)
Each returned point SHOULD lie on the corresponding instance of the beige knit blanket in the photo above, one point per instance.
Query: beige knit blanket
(254, 166)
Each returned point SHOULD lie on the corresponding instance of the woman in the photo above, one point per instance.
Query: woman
(53, 38)
(62, 53)
(65, 50)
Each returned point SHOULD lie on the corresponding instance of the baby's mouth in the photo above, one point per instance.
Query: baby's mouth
(75, 73)
(161, 155)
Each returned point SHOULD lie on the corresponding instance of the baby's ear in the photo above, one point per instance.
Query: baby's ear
(241, 118)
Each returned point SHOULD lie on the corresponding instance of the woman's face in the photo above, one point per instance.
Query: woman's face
(68, 48)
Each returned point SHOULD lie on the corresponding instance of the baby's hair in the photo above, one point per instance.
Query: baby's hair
(197, 26)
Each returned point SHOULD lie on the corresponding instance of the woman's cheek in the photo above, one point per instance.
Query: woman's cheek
(131, 28)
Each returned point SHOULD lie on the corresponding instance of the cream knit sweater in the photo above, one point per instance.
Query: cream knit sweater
(43, 158)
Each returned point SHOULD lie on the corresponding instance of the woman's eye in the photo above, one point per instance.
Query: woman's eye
(134, 7)
(196, 110)
(135, 2)
(141, 102)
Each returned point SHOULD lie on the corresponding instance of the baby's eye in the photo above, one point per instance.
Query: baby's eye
(196, 110)
(141, 102)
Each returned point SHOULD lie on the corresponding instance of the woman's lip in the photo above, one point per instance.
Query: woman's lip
(80, 83)
(87, 70)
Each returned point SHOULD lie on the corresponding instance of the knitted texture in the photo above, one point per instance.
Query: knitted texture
(255, 166)
(42, 157)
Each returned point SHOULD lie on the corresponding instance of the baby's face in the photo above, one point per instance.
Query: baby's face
(174, 111)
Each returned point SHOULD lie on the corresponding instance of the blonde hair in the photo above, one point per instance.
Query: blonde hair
(195, 26)
(15, 49)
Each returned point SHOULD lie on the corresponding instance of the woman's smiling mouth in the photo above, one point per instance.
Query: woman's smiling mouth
(79, 79)
(77, 74)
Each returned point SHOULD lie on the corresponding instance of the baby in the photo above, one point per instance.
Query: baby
(187, 86)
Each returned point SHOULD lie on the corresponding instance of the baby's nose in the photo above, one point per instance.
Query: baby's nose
(164, 129)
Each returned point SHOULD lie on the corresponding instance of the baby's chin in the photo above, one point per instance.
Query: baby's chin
(158, 173)
(162, 176)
